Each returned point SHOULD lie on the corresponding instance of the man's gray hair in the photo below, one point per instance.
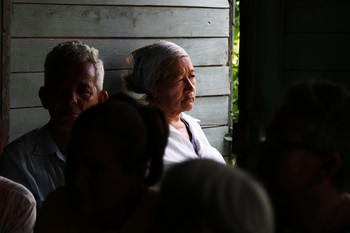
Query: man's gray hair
(73, 51)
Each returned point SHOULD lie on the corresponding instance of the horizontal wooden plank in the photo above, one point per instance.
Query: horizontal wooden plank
(192, 3)
(213, 81)
(292, 77)
(216, 139)
(317, 16)
(317, 51)
(24, 120)
(210, 81)
(211, 111)
(28, 55)
(24, 89)
(25, 86)
(115, 21)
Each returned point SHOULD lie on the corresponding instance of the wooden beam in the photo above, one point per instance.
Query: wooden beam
(5, 69)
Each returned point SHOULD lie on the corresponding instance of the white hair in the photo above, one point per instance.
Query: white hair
(74, 51)
(220, 197)
(143, 64)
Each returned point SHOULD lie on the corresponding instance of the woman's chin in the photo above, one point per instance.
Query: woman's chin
(188, 106)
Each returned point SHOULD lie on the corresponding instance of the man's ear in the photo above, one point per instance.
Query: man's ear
(43, 95)
(103, 97)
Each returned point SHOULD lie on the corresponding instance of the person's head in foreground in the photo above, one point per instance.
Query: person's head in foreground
(114, 155)
(204, 196)
(306, 158)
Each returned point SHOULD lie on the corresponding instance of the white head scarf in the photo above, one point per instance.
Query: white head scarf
(143, 63)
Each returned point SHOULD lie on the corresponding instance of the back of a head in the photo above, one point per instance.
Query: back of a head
(140, 132)
(73, 52)
(203, 193)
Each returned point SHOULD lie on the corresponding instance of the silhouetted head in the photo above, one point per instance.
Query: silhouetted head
(115, 152)
(204, 196)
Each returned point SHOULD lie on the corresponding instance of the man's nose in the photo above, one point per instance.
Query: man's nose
(72, 96)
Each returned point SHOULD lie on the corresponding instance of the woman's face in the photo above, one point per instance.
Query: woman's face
(99, 186)
(176, 92)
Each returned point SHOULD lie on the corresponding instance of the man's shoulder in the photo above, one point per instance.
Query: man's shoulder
(24, 143)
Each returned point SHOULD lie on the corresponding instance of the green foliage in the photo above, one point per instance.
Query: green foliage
(235, 64)
(235, 81)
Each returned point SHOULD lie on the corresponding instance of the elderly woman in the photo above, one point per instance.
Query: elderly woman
(164, 73)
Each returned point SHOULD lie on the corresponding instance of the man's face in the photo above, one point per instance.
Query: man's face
(69, 92)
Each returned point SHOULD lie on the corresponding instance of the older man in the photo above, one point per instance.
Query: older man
(73, 82)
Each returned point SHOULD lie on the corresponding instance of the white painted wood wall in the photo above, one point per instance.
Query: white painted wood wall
(117, 27)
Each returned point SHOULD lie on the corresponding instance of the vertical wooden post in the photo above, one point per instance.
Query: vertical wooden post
(259, 70)
(5, 69)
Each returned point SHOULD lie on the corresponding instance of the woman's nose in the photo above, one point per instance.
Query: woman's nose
(190, 83)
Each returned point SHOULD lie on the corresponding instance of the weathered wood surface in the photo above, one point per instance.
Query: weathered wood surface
(192, 3)
(216, 138)
(114, 21)
(204, 110)
(5, 42)
(39, 116)
(316, 44)
(317, 16)
(28, 55)
(211, 111)
(116, 28)
(25, 119)
(321, 51)
(292, 77)
(25, 86)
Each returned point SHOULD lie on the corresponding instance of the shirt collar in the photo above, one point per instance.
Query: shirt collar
(45, 144)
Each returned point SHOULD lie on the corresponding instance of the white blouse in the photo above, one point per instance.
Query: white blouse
(179, 148)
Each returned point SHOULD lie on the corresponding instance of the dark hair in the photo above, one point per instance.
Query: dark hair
(140, 132)
(323, 109)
